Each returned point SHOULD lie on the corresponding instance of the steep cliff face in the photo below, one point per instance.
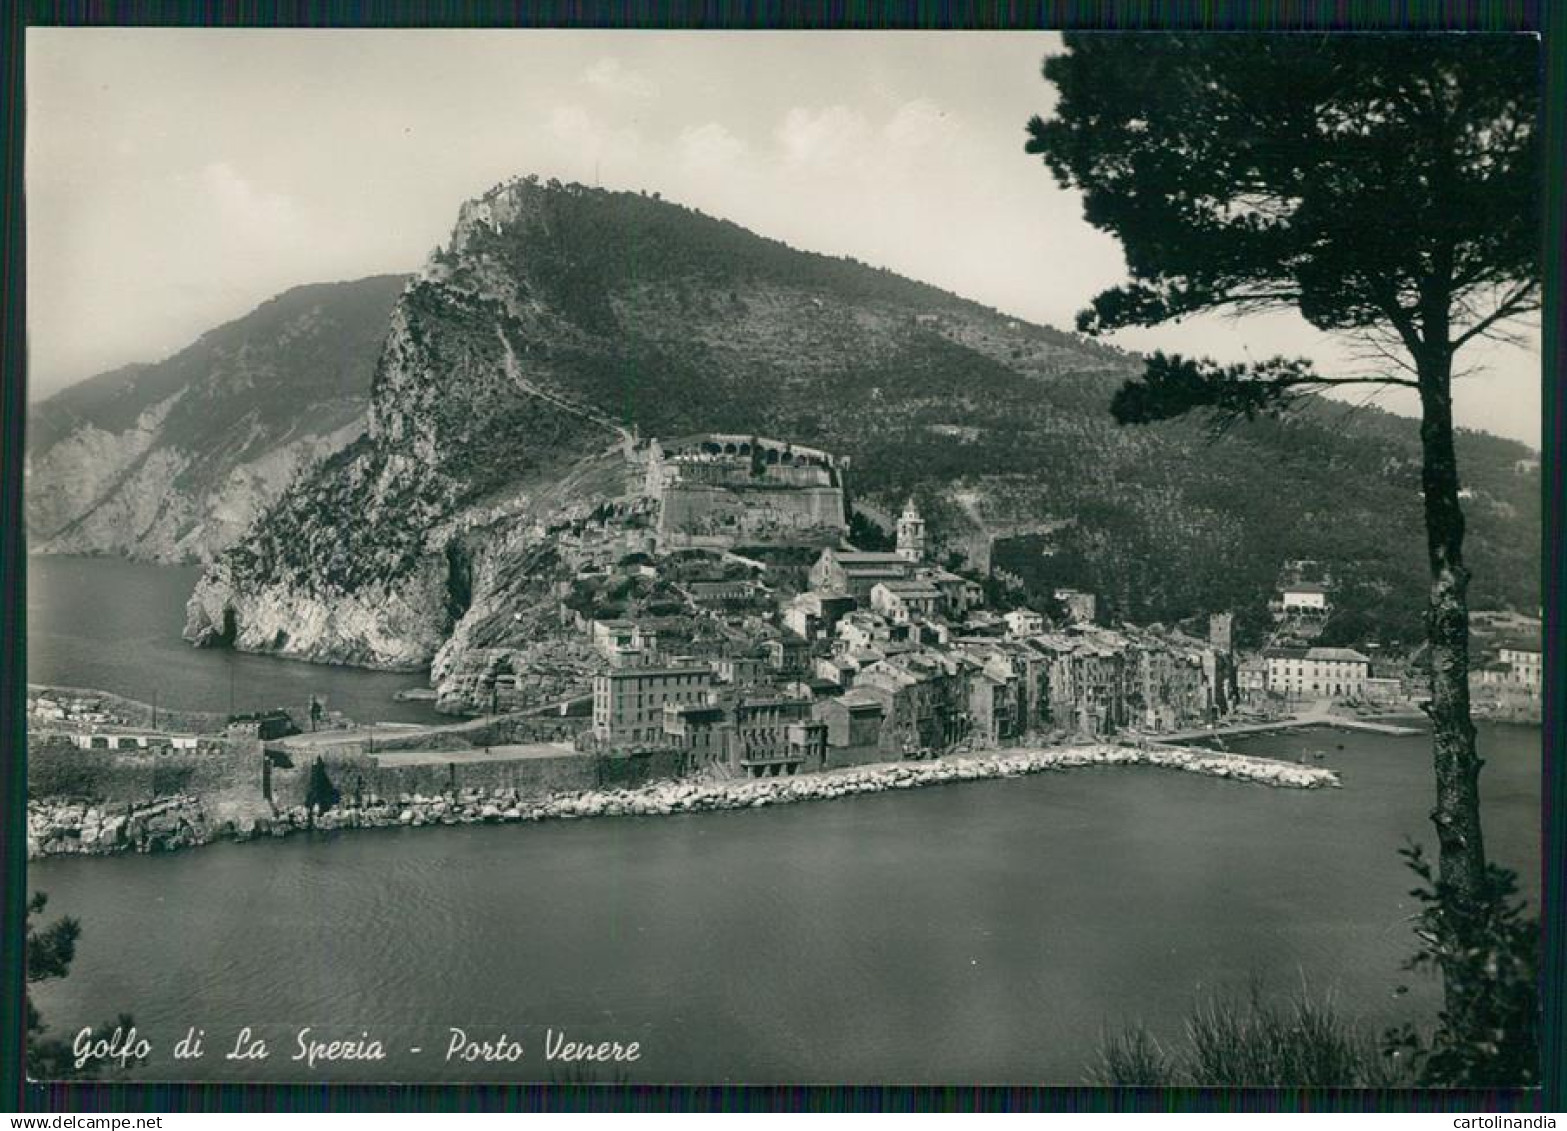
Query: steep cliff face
(355, 563)
(560, 320)
(554, 322)
(173, 461)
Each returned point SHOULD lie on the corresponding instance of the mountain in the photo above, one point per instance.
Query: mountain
(172, 461)
(562, 324)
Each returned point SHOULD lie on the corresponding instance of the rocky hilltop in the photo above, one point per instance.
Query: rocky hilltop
(561, 322)
(172, 461)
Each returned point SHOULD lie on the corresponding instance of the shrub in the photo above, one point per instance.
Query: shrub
(1303, 1044)
(50, 951)
(1131, 1059)
(1488, 956)
(1252, 1042)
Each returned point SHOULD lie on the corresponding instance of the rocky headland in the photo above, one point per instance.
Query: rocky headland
(560, 323)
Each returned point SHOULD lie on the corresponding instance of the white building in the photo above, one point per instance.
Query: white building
(862, 630)
(1525, 661)
(624, 643)
(1304, 597)
(1024, 622)
(628, 703)
(904, 601)
(814, 614)
(1318, 672)
(136, 741)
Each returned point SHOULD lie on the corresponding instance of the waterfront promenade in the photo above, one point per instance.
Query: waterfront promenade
(1319, 714)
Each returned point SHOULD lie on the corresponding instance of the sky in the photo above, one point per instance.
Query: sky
(176, 178)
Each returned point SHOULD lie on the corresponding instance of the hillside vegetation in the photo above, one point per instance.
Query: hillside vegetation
(171, 461)
(560, 319)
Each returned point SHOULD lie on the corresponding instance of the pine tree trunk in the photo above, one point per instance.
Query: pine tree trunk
(1457, 811)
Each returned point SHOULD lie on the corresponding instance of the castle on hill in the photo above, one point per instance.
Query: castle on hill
(720, 489)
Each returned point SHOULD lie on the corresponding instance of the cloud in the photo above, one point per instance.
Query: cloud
(585, 140)
(571, 124)
(834, 136)
(710, 148)
(610, 76)
(920, 125)
(241, 204)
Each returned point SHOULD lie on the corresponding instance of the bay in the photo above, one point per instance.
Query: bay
(986, 932)
(114, 625)
(980, 933)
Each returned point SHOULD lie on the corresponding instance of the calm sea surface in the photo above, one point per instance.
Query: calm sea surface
(115, 626)
(982, 932)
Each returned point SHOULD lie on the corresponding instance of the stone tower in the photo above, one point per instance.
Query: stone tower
(911, 533)
(1221, 631)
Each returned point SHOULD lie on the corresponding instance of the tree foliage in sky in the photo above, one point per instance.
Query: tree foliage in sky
(1387, 188)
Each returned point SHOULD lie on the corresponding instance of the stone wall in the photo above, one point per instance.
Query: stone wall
(758, 511)
(59, 769)
(500, 731)
(354, 774)
(839, 757)
(236, 777)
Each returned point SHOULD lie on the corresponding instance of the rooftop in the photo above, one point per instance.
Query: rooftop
(514, 752)
(868, 557)
(911, 589)
(1520, 644)
(1345, 655)
(637, 673)
(695, 711)
(941, 575)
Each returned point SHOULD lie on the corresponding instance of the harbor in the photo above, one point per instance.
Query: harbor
(1317, 717)
(1040, 904)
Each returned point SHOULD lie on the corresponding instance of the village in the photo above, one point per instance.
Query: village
(721, 618)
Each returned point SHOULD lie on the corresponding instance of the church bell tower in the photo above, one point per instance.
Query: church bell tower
(911, 533)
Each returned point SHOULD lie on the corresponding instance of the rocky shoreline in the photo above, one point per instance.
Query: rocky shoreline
(61, 828)
(77, 828)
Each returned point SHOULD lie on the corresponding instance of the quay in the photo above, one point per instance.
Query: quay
(70, 827)
(1313, 718)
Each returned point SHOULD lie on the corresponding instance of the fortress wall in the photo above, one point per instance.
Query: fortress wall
(384, 778)
(739, 474)
(235, 779)
(694, 509)
(734, 443)
(126, 776)
(570, 772)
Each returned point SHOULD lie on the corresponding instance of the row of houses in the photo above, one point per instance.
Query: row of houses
(885, 656)
(1510, 676)
(1512, 671)
(148, 742)
(904, 697)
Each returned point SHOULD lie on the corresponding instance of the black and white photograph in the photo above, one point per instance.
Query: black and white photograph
(602, 557)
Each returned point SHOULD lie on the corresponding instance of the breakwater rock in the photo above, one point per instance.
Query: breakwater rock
(70, 828)
(177, 822)
(687, 796)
